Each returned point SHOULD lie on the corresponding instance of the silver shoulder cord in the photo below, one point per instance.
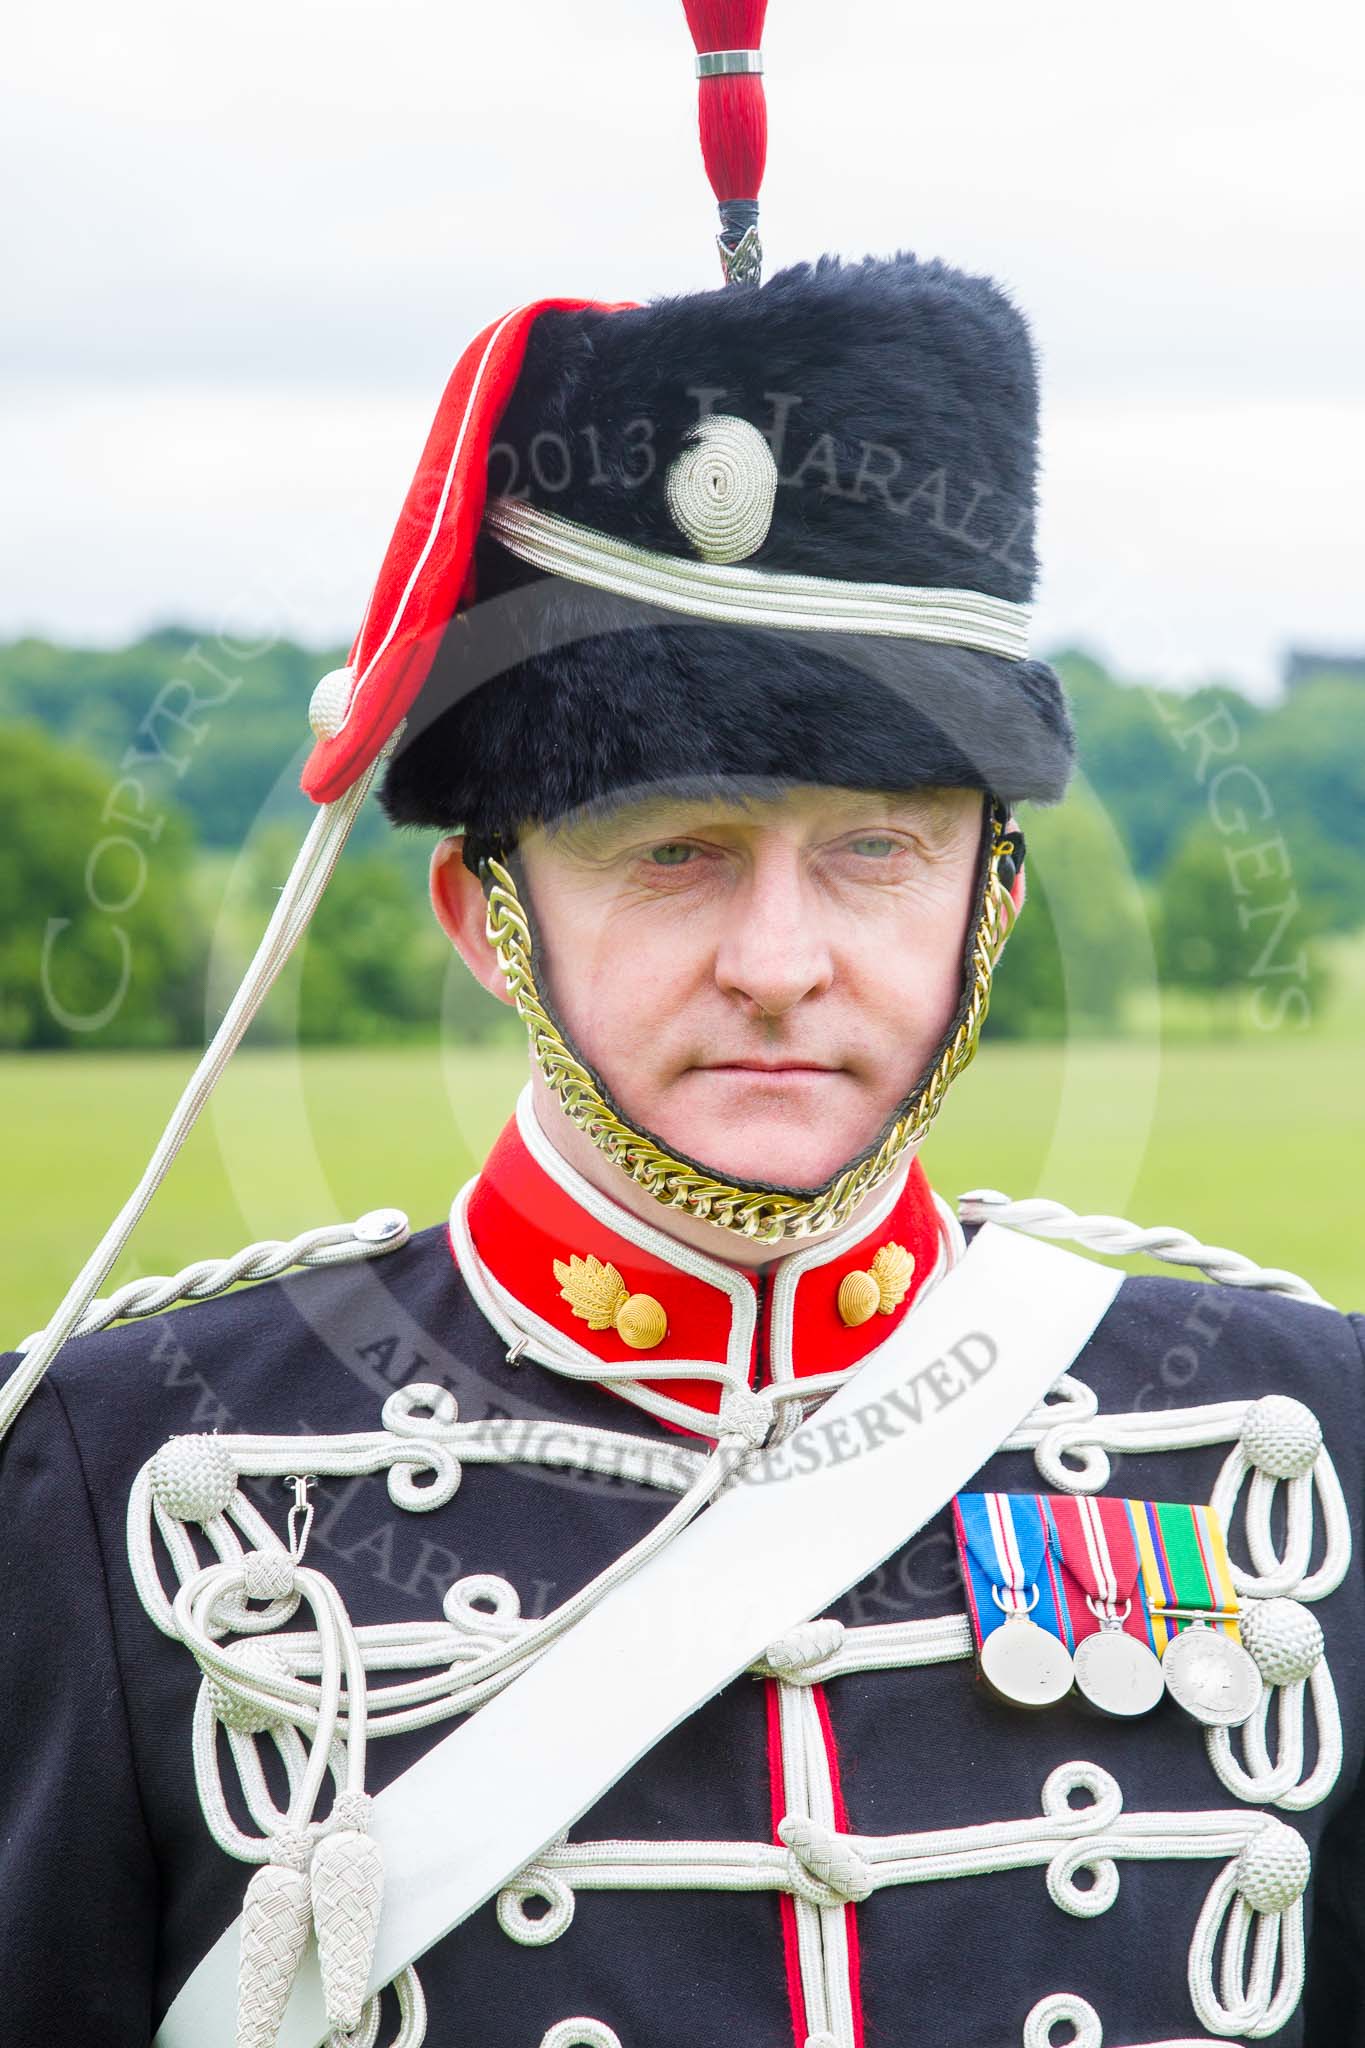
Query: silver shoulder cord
(1119, 1239)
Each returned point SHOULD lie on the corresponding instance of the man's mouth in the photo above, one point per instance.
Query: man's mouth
(775, 1067)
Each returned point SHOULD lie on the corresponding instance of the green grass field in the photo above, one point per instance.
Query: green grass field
(1258, 1145)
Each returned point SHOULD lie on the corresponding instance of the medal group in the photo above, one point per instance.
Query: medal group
(1116, 1601)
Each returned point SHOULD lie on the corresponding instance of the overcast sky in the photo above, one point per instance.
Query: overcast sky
(246, 244)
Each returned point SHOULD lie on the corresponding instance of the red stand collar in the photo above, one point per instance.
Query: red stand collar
(523, 1219)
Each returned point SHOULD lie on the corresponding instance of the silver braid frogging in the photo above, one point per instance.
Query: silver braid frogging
(768, 1217)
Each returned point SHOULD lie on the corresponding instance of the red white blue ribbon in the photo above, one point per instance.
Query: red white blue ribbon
(1007, 1566)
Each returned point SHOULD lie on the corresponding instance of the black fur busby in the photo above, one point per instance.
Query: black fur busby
(899, 401)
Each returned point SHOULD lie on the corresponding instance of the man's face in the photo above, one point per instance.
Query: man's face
(759, 985)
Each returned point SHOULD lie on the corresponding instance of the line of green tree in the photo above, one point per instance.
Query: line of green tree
(151, 812)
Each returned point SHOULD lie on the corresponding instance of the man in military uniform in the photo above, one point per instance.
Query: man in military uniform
(701, 644)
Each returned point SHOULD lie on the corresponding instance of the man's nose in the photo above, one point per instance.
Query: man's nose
(774, 951)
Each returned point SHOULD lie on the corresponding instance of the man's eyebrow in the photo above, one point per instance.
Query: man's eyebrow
(932, 804)
(930, 808)
(593, 833)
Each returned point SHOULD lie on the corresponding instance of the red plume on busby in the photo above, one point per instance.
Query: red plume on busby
(732, 114)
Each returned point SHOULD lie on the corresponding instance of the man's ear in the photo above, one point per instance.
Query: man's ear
(458, 900)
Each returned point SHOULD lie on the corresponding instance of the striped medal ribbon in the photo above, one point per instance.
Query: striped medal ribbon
(1117, 1670)
(1012, 1597)
(1192, 1607)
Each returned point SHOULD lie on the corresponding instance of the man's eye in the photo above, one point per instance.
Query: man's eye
(672, 854)
(873, 845)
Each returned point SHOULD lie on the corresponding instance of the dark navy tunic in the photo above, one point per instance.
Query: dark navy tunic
(113, 1888)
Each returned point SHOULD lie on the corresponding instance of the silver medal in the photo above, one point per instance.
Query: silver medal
(1211, 1676)
(1025, 1664)
(1117, 1673)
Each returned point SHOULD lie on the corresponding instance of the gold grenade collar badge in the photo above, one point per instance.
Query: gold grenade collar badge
(597, 1293)
(879, 1289)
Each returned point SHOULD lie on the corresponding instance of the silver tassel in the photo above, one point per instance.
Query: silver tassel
(275, 1925)
(347, 1877)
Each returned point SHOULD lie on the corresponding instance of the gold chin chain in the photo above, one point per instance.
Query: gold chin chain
(752, 1212)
